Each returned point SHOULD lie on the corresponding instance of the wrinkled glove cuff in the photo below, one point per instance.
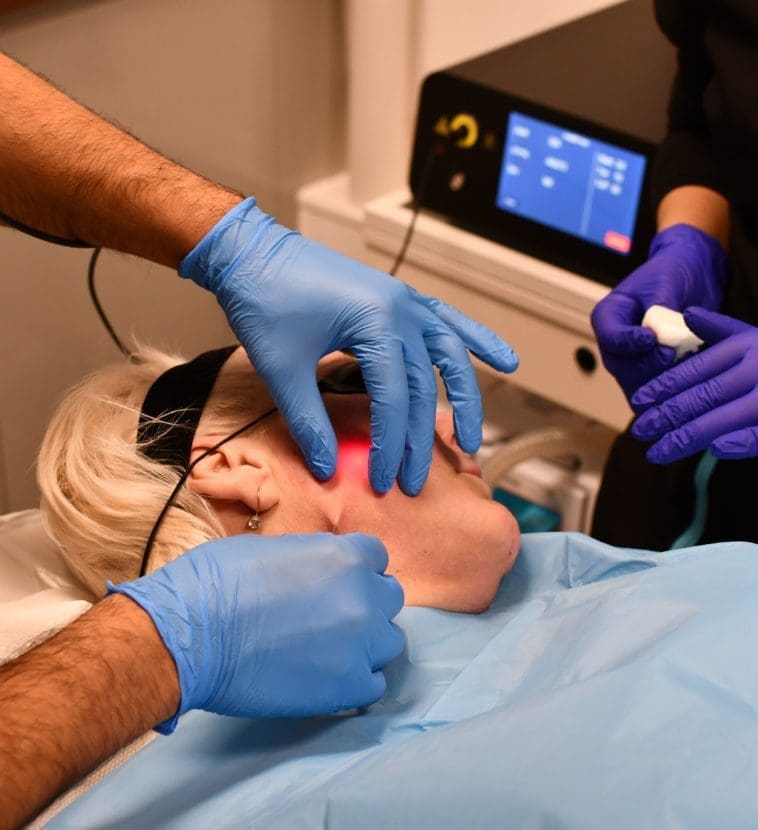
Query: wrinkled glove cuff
(705, 249)
(225, 243)
(167, 633)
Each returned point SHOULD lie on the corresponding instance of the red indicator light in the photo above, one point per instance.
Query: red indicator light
(617, 241)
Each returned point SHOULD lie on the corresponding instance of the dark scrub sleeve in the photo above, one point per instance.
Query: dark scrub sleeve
(686, 155)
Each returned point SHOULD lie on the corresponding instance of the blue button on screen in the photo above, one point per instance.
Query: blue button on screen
(571, 182)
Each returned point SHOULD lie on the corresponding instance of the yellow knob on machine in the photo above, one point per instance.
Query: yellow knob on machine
(468, 123)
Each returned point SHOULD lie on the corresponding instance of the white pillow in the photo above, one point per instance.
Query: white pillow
(38, 593)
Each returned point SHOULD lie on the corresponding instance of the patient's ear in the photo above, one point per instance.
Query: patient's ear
(239, 471)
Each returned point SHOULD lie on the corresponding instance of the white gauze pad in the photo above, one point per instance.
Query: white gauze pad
(671, 330)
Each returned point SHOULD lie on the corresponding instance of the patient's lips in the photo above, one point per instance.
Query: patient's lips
(467, 465)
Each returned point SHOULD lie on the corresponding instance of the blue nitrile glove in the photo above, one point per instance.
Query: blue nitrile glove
(709, 399)
(290, 301)
(275, 626)
(685, 267)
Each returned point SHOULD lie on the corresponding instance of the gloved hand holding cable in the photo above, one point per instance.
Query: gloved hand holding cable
(281, 626)
(290, 301)
(709, 400)
(686, 267)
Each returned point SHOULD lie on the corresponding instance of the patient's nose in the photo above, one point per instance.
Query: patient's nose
(461, 461)
(446, 430)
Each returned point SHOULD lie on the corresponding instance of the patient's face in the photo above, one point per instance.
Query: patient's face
(449, 546)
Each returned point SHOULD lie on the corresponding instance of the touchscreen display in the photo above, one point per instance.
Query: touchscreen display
(570, 182)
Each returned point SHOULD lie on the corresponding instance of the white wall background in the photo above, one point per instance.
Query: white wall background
(394, 44)
(252, 93)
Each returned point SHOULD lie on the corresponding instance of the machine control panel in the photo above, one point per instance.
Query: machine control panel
(546, 144)
(543, 182)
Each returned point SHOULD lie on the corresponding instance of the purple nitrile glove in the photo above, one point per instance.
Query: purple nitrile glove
(709, 399)
(685, 267)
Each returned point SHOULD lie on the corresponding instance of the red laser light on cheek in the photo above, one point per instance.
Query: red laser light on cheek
(352, 459)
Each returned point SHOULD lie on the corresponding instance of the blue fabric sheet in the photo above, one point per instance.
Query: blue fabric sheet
(605, 688)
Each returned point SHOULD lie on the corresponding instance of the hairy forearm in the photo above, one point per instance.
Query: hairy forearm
(68, 172)
(74, 700)
(698, 206)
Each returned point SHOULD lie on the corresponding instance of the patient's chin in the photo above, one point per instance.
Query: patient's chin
(513, 544)
(470, 592)
(485, 580)
(461, 571)
(460, 599)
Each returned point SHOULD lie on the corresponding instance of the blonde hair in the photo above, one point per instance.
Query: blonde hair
(101, 495)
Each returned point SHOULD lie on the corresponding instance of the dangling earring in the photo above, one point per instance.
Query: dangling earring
(255, 522)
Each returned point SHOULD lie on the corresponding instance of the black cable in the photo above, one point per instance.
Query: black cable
(437, 149)
(416, 208)
(96, 302)
(73, 243)
(183, 478)
(43, 235)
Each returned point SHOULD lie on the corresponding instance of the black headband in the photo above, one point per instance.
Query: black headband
(173, 406)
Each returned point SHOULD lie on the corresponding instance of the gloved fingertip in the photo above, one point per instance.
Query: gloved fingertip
(412, 489)
(470, 445)
(642, 398)
(647, 432)
(666, 451)
(506, 360)
(512, 363)
(644, 337)
(666, 355)
(468, 434)
(378, 478)
(638, 432)
(638, 408)
(412, 481)
(322, 465)
(656, 456)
